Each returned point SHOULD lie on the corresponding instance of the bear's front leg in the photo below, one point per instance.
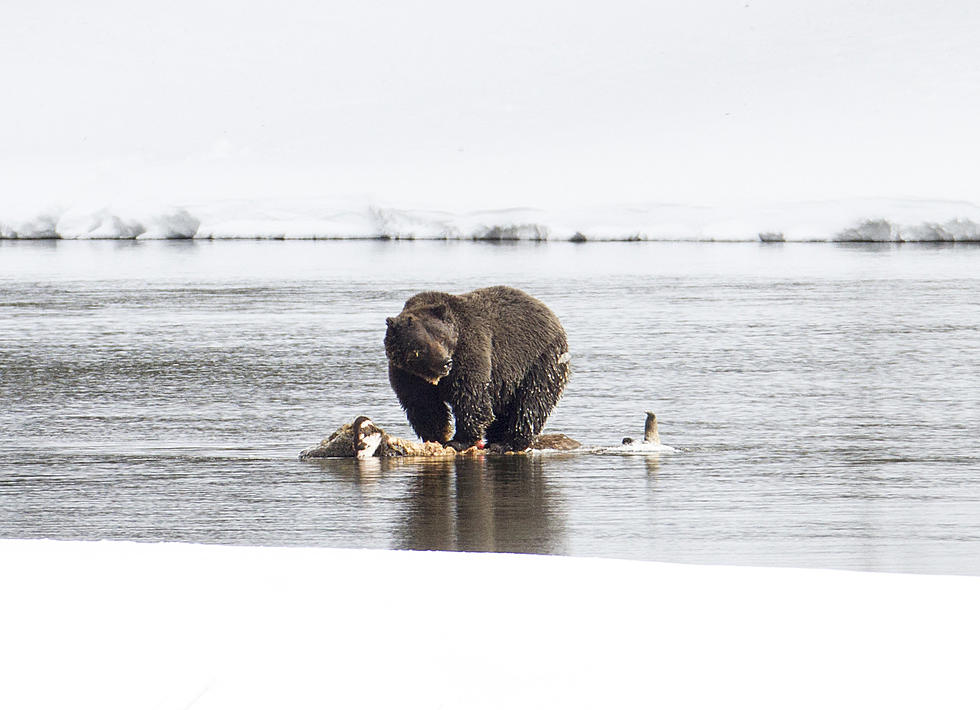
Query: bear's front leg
(473, 411)
(423, 405)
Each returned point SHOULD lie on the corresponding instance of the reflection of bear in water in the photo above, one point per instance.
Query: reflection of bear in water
(496, 356)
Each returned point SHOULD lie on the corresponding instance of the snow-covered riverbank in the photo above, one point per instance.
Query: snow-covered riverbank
(126, 625)
(878, 220)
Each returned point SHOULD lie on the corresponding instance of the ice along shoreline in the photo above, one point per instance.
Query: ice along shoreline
(874, 221)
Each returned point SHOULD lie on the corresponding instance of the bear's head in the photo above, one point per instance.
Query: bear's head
(421, 340)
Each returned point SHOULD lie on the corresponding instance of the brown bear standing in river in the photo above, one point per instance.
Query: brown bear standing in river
(495, 358)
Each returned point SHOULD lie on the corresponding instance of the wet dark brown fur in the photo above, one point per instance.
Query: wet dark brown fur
(496, 359)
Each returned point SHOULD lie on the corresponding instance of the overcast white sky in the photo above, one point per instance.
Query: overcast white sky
(510, 102)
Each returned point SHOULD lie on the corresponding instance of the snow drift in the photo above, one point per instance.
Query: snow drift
(894, 221)
(127, 625)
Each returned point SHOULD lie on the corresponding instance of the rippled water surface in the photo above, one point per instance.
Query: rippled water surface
(824, 400)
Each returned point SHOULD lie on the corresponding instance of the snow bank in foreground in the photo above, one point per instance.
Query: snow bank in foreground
(852, 220)
(126, 625)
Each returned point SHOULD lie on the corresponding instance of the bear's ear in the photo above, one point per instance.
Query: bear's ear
(440, 311)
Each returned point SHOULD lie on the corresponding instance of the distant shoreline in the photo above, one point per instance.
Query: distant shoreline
(859, 221)
(968, 241)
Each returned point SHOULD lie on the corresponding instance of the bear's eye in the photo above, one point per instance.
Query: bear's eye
(416, 354)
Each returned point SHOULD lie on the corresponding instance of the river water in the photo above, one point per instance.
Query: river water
(824, 400)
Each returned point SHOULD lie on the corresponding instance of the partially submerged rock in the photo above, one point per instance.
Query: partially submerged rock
(557, 442)
(364, 439)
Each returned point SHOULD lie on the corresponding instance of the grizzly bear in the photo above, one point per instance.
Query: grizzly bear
(496, 359)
